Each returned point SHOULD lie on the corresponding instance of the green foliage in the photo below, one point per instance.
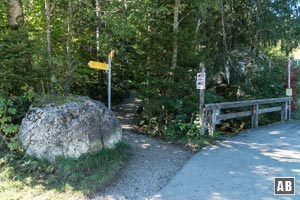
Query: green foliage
(12, 111)
(8, 130)
(65, 179)
(250, 37)
(16, 69)
(296, 114)
(170, 99)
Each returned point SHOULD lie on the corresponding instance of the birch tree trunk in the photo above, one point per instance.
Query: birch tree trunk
(175, 32)
(15, 13)
(98, 30)
(97, 5)
(69, 49)
(48, 46)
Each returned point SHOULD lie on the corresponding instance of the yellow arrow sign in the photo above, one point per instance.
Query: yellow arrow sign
(98, 65)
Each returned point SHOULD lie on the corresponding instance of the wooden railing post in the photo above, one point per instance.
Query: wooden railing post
(289, 110)
(284, 111)
(211, 121)
(254, 116)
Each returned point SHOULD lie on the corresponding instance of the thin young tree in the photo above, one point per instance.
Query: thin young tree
(69, 49)
(175, 32)
(49, 9)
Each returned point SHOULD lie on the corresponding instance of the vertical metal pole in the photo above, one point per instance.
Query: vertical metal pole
(289, 85)
(289, 73)
(109, 84)
(201, 108)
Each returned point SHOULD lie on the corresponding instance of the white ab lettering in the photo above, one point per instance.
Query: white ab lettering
(287, 187)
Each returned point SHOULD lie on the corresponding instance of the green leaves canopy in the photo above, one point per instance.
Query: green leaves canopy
(249, 37)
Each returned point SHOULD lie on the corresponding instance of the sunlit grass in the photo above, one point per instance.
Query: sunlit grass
(28, 178)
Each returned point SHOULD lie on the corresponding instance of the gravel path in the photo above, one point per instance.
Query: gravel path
(152, 162)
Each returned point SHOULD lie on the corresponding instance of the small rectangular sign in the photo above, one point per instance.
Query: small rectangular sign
(98, 65)
(200, 82)
(284, 186)
(289, 92)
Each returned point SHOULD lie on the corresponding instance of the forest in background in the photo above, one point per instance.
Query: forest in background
(45, 46)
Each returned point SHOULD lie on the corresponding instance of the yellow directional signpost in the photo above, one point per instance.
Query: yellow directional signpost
(98, 65)
(107, 67)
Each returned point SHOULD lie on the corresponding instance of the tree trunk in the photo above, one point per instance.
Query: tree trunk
(254, 45)
(15, 13)
(175, 32)
(234, 30)
(227, 50)
(98, 30)
(48, 39)
(69, 50)
(97, 5)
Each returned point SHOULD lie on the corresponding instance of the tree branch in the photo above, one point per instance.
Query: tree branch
(53, 6)
(184, 17)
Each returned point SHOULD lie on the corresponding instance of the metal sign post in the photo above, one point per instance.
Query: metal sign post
(289, 73)
(289, 91)
(109, 83)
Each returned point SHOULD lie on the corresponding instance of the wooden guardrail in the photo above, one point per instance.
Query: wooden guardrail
(213, 111)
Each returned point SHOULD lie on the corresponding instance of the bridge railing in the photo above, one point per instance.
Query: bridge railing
(214, 115)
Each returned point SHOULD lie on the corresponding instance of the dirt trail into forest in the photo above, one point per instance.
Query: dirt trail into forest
(152, 162)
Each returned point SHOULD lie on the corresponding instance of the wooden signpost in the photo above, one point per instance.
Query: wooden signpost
(200, 84)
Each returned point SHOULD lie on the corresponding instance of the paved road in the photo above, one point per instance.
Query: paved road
(240, 168)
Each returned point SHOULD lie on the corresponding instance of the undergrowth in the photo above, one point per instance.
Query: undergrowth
(56, 100)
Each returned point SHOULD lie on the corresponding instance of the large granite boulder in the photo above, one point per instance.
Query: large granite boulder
(69, 130)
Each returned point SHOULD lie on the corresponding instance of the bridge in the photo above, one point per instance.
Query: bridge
(241, 167)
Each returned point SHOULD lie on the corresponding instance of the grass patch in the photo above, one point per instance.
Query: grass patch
(28, 178)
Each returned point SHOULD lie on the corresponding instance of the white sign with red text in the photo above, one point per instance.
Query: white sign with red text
(200, 81)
